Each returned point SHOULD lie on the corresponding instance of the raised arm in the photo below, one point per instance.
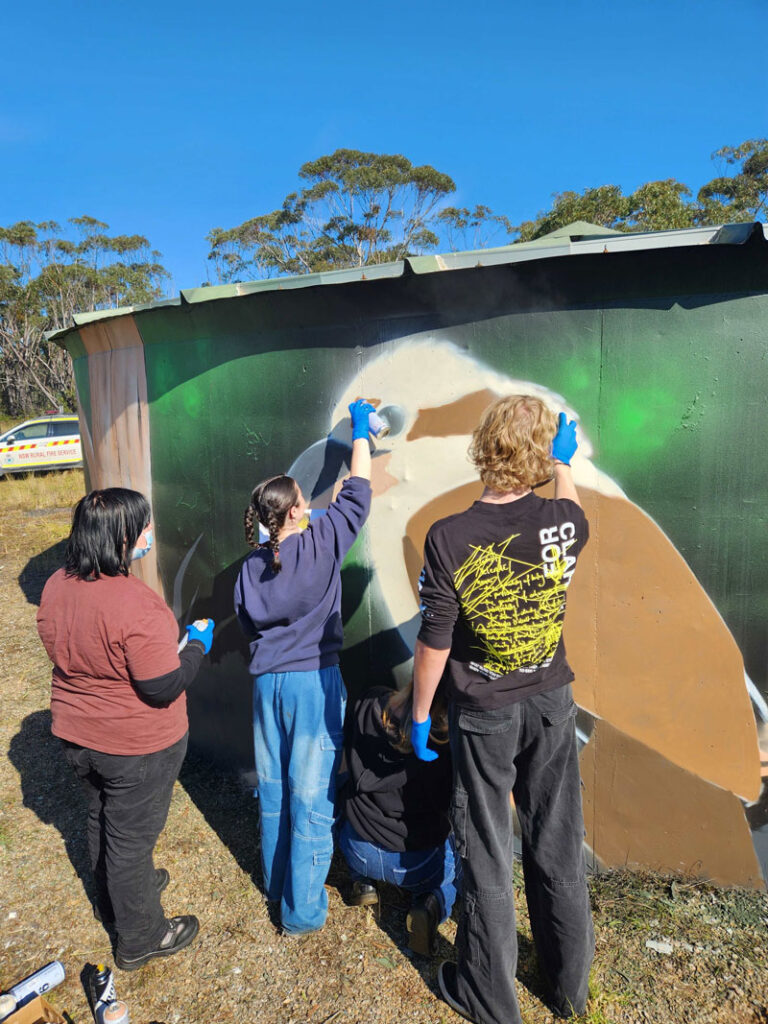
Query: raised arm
(360, 464)
(564, 447)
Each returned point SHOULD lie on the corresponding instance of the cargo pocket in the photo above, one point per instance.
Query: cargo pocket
(488, 723)
(459, 806)
(556, 706)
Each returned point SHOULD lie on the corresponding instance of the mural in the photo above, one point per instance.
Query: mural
(660, 356)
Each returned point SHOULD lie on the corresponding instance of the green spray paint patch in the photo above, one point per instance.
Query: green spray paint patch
(640, 422)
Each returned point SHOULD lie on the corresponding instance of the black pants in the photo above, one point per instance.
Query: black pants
(528, 748)
(128, 800)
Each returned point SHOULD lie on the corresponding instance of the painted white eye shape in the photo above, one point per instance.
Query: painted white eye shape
(395, 417)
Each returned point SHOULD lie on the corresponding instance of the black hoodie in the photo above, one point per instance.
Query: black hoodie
(393, 800)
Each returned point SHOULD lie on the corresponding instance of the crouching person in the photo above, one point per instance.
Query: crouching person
(396, 827)
(493, 602)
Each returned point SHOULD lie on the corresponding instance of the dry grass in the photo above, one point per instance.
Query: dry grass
(358, 969)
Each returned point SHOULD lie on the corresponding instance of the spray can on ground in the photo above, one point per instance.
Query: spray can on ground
(7, 1005)
(115, 1012)
(102, 990)
(38, 983)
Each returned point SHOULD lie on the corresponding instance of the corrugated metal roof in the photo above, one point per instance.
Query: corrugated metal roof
(577, 239)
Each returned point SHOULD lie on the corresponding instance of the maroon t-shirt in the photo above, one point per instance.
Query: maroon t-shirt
(100, 635)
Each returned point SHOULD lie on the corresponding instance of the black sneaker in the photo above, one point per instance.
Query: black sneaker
(421, 923)
(181, 931)
(446, 979)
(162, 878)
(364, 893)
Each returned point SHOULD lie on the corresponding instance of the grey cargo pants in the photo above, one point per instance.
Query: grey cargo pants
(528, 748)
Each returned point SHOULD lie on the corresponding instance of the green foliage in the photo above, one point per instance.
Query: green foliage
(473, 229)
(355, 209)
(744, 195)
(668, 204)
(45, 278)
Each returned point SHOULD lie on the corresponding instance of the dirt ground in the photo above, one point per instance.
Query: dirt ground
(710, 961)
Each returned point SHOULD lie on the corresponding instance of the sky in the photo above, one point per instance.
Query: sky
(168, 119)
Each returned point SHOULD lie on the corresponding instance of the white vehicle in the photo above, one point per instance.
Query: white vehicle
(46, 442)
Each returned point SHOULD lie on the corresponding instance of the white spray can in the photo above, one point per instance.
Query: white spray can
(37, 984)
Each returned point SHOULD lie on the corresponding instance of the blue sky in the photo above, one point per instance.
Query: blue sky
(168, 118)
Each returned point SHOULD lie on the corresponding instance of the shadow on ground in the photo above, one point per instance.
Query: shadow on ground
(33, 576)
(228, 807)
(50, 789)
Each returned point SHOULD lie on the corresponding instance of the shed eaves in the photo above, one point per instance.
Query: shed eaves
(579, 238)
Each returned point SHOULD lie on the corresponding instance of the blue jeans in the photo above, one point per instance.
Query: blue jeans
(297, 736)
(419, 871)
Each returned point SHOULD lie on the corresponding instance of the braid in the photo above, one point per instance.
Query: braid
(248, 518)
(271, 502)
(273, 544)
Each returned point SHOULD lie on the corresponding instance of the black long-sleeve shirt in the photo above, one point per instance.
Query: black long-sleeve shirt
(392, 799)
(493, 591)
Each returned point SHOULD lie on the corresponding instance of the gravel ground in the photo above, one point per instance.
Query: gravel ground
(668, 950)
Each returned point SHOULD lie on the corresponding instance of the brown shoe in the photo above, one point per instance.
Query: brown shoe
(421, 922)
(364, 893)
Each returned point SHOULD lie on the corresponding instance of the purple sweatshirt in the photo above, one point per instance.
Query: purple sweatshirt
(293, 618)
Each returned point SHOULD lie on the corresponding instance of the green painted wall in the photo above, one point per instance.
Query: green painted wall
(661, 353)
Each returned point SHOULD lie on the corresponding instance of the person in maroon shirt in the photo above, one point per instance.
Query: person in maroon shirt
(118, 704)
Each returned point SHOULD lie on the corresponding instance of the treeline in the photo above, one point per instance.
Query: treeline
(47, 274)
(351, 209)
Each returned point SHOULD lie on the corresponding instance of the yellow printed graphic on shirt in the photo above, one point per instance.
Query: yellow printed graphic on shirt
(514, 608)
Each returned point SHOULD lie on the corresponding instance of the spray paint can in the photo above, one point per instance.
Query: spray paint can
(7, 1005)
(377, 425)
(37, 984)
(114, 1013)
(102, 990)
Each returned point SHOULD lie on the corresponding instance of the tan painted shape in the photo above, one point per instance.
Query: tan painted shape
(109, 335)
(419, 523)
(639, 809)
(651, 653)
(649, 650)
(460, 417)
(117, 448)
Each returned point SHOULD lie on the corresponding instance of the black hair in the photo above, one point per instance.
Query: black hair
(271, 502)
(105, 527)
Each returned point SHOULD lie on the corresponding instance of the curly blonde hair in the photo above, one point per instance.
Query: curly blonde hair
(511, 446)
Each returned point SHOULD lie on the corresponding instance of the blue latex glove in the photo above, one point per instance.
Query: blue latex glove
(419, 737)
(360, 411)
(202, 630)
(564, 444)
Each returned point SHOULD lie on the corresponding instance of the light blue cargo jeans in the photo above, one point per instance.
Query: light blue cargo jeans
(298, 720)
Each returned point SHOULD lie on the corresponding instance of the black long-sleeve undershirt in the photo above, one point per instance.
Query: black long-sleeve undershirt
(164, 689)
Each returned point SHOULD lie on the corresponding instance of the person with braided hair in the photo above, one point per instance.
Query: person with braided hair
(288, 602)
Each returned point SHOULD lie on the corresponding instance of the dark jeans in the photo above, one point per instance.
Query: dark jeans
(530, 749)
(128, 800)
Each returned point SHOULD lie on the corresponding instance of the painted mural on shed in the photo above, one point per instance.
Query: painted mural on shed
(655, 343)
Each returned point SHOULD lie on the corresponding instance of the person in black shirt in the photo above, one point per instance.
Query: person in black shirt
(396, 827)
(493, 599)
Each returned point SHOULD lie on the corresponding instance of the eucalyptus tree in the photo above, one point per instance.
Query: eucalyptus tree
(46, 276)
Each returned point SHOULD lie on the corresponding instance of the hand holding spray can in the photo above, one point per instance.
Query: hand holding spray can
(377, 425)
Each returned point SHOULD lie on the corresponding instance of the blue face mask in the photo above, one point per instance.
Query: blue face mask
(140, 552)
